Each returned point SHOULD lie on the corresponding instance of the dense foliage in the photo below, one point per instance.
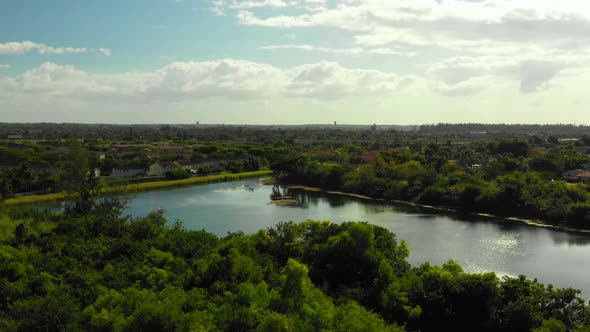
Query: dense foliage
(116, 274)
(506, 178)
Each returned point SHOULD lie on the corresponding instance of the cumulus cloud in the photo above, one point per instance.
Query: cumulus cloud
(3, 66)
(530, 72)
(489, 27)
(430, 21)
(227, 79)
(536, 73)
(328, 80)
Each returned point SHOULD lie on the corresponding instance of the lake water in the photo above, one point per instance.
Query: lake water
(478, 244)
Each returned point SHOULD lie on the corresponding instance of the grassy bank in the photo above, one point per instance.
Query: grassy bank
(139, 187)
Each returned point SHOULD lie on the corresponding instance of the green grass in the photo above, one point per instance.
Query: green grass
(138, 187)
(34, 199)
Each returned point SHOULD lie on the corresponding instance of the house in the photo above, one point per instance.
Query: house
(186, 164)
(169, 166)
(123, 172)
(156, 169)
(577, 175)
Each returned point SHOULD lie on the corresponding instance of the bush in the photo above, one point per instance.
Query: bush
(177, 174)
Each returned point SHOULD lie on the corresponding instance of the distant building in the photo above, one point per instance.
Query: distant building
(577, 175)
(170, 166)
(127, 172)
(186, 164)
(156, 169)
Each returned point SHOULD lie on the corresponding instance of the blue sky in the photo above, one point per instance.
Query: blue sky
(295, 61)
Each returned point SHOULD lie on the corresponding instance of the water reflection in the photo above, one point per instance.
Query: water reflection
(570, 239)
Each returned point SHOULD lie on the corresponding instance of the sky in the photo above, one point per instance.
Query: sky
(295, 61)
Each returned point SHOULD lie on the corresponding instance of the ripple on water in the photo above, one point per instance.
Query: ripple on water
(470, 267)
(505, 244)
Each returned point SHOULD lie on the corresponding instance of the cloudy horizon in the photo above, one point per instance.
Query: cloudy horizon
(295, 61)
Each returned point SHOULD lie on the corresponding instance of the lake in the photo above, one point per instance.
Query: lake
(478, 244)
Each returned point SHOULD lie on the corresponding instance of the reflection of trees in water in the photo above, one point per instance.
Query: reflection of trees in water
(569, 238)
(314, 198)
(337, 201)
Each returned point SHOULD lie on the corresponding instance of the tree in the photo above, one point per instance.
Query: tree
(80, 181)
(251, 164)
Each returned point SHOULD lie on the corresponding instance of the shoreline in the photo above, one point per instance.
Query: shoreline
(141, 187)
(528, 222)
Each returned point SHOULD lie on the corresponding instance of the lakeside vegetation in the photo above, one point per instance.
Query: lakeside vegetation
(145, 186)
(507, 178)
(110, 273)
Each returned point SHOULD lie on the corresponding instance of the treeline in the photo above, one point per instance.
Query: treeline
(506, 178)
(110, 273)
(506, 129)
(44, 166)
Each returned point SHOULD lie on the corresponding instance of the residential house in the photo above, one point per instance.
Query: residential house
(577, 175)
(186, 164)
(123, 172)
(169, 166)
(156, 169)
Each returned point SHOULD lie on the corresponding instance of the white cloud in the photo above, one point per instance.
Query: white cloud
(28, 46)
(485, 27)
(236, 91)
(105, 51)
(534, 74)
(225, 79)
(235, 4)
(328, 80)
(526, 41)
(347, 51)
(3, 66)
(531, 73)
(471, 86)
(218, 7)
